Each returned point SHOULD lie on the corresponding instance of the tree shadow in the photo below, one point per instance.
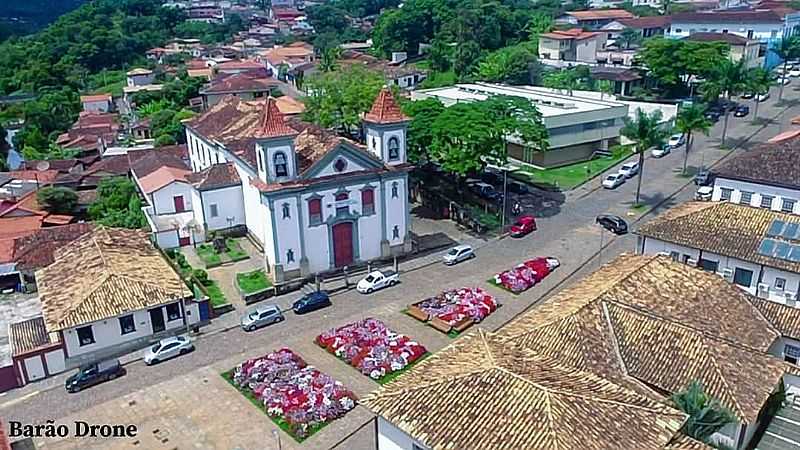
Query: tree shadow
(658, 200)
(538, 202)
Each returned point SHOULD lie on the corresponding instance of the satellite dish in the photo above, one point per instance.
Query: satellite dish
(41, 166)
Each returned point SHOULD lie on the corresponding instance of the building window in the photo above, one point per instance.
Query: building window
(787, 205)
(285, 209)
(340, 165)
(708, 265)
(749, 34)
(394, 149)
(725, 194)
(279, 161)
(675, 256)
(290, 256)
(780, 284)
(126, 324)
(260, 161)
(214, 211)
(791, 353)
(394, 190)
(173, 311)
(85, 336)
(341, 203)
(743, 277)
(368, 201)
(747, 197)
(678, 30)
(374, 142)
(396, 232)
(766, 201)
(315, 211)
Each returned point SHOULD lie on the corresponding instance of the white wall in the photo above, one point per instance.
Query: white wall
(393, 438)
(167, 239)
(288, 232)
(55, 361)
(762, 32)
(352, 166)
(396, 209)
(96, 106)
(230, 203)
(162, 199)
(737, 186)
(34, 368)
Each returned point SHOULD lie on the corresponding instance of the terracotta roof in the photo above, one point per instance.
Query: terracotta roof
(240, 82)
(272, 123)
(724, 228)
(785, 318)
(785, 136)
(479, 393)
(36, 250)
(139, 71)
(13, 227)
(573, 33)
(238, 65)
(614, 73)
(728, 38)
(289, 106)
(600, 14)
(775, 164)
(145, 162)
(641, 23)
(684, 442)
(385, 109)
(61, 165)
(215, 177)
(662, 324)
(119, 271)
(732, 17)
(42, 176)
(96, 98)
(162, 177)
(28, 335)
(112, 165)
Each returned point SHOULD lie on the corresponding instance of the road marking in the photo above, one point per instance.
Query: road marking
(19, 400)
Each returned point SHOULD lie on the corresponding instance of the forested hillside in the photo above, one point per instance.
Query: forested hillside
(18, 17)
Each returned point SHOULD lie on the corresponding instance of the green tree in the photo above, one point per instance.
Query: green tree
(728, 79)
(117, 204)
(423, 114)
(671, 62)
(565, 79)
(691, 120)
(538, 24)
(50, 152)
(706, 414)
(440, 56)
(337, 99)
(758, 82)
(787, 49)
(629, 37)
(329, 60)
(515, 64)
(57, 200)
(646, 132)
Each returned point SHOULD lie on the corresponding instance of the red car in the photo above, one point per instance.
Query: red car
(523, 226)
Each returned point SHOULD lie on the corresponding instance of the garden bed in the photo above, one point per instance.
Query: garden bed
(300, 399)
(569, 177)
(212, 258)
(454, 311)
(200, 278)
(255, 281)
(372, 348)
(525, 276)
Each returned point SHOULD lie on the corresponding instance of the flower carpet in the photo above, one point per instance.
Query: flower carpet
(526, 275)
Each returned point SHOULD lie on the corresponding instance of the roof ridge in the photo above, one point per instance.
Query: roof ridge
(101, 280)
(614, 341)
(724, 381)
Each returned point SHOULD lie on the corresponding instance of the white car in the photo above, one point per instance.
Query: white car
(784, 81)
(168, 348)
(629, 169)
(676, 140)
(457, 254)
(661, 152)
(762, 97)
(704, 193)
(613, 180)
(377, 279)
(794, 73)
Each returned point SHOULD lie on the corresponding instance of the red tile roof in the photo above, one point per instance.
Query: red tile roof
(96, 98)
(215, 177)
(599, 14)
(41, 176)
(646, 22)
(574, 33)
(733, 17)
(240, 82)
(728, 38)
(36, 250)
(272, 123)
(385, 109)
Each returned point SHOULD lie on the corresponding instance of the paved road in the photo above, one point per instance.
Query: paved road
(569, 235)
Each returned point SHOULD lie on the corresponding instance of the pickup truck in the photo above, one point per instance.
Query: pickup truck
(377, 279)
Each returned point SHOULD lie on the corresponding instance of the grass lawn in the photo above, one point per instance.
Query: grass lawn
(209, 256)
(253, 281)
(234, 250)
(215, 295)
(571, 176)
(489, 220)
(282, 424)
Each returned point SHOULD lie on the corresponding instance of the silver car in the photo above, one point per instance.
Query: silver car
(168, 348)
(261, 316)
(457, 254)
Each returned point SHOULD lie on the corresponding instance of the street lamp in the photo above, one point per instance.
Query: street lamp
(505, 169)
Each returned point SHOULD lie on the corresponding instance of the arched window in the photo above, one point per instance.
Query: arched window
(394, 149)
(279, 161)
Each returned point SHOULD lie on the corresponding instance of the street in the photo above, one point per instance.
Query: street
(567, 232)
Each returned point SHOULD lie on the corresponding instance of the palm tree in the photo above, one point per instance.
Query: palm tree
(758, 82)
(727, 79)
(690, 120)
(646, 132)
(786, 49)
(706, 414)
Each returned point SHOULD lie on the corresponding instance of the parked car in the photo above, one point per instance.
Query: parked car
(762, 97)
(492, 177)
(794, 72)
(784, 80)
(486, 191)
(168, 348)
(523, 226)
(377, 279)
(703, 178)
(661, 152)
(713, 115)
(748, 95)
(261, 316)
(676, 140)
(95, 373)
(457, 254)
(741, 111)
(613, 180)
(614, 224)
(517, 187)
(704, 193)
(629, 169)
(311, 302)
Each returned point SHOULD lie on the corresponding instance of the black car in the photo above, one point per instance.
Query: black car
(517, 187)
(713, 115)
(703, 178)
(741, 111)
(311, 302)
(614, 224)
(94, 373)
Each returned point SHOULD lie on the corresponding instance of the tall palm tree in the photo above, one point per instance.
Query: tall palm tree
(728, 79)
(690, 120)
(758, 82)
(706, 414)
(646, 133)
(787, 48)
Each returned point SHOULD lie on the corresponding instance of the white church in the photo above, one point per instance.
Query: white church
(313, 200)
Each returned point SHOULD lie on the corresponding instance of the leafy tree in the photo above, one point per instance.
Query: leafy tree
(671, 62)
(691, 119)
(515, 64)
(57, 200)
(117, 204)
(640, 10)
(337, 99)
(167, 127)
(706, 414)
(423, 113)
(50, 152)
(327, 18)
(787, 48)
(579, 5)
(538, 24)
(646, 133)
(629, 37)
(758, 82)
(728, 79)
(566, 79)
(440, 56)
(329, 60)
(439, 79)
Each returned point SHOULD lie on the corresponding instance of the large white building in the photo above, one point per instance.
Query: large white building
(763, 25)
(314, 201)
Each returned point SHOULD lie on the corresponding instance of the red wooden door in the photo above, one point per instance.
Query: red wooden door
(184, 241)
(178, 200)
(343, 244)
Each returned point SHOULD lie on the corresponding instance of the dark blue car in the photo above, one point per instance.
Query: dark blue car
(311, 302)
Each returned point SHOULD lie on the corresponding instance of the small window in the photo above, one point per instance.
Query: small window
(340, 165)
(260, 161)
(367, 201)
(747, 197)
(173, 312)
(725, 194)
(708, 265)
(394, 149)
(290, 256)
(791, 353)
(342, 206)
(279, 161)
(780, 284)
(686, 258)
(675, 256)
(743, 277)
(285, 209)
(394, 190)
(678, 30)
(214, 211)
(126, 324)
(787, 205)
(396, 232)
(315, 211)
(766, 201)
(85, 336)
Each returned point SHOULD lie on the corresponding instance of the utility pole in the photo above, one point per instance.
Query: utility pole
(505, 200)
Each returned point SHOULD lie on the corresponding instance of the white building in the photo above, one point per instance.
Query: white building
(763, 25)
(100, 103)
(140, 77)
(313, 200)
